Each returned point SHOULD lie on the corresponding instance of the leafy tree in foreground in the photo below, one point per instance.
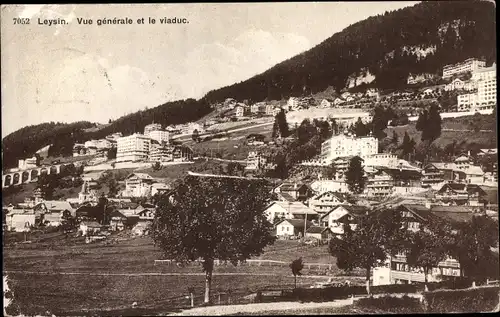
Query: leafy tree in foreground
(296, 267)
(429, 246)
(211, 218)
(377, 236)
(472, 245)
(355, 175)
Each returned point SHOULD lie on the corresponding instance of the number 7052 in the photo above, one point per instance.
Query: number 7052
(21, 20)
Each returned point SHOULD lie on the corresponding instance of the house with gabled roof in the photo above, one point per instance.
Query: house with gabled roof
(289, 210)
(297, 191)
(319, 233)
(324, 202)
(292, 228)
(461, 194)
(51, 212)
(335, 218)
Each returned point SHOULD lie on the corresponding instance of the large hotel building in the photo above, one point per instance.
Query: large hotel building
(343, 146)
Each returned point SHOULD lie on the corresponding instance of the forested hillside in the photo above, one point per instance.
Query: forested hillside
(26, 141)
(389, 47)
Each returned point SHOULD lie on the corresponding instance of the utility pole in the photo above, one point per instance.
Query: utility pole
(305, 224)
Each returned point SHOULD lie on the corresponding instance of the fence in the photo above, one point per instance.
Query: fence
(251, 263)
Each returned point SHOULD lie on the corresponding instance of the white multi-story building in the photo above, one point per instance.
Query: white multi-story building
(469, 65)
(381, 159)
(91, 143)
(485, 73)
(160, 136)
(466, 102)
(485, 98)
(152, 127)
(133, 148)
(342, 145)
(293, 103)
(486, 93)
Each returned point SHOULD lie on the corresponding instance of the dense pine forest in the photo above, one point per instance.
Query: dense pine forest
(26, 141)
(387, 46)
(413, 40)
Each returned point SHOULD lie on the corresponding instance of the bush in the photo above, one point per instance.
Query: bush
(396, 288)
(470, 300)
(401, 305)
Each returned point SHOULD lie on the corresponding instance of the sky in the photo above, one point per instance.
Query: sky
(74, 72)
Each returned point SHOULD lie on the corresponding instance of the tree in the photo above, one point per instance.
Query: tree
(355, 175)
(296, 267)
(282, 124)
(112, 153)
(196, 135)
(305, 131)
(408, 145)
(360, 129)
(379, 122)
(335, 127)
(475, 122)
(156, 166)
(472, 245)
(211, 218)
(47, 183)
(422, 121)
(395, 138)
(377, 236)
(235, 169)
(429, 246)
(112, 187)
(330, 171)
(432, 125)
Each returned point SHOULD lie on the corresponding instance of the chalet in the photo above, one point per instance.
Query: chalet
(326, 103)
(462, 162)
(379, 184)
(474, 175)
(239, 110)
(338, 102)
(431, 176)
(319, 233)
(326, 201)
(89, 228)
(335, 218)
(297, 191)
(20, 220)
(51, 212)
(461, 194)
(138, 185)
(291, 228)
(289, 210)
(118, 221)
(451, 172)
(415, 215)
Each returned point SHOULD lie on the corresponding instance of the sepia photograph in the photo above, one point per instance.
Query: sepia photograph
(249, 159)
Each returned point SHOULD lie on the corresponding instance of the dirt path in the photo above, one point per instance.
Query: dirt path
(269, 307)
(260, 307)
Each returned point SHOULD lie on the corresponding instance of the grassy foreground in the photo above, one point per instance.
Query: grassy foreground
(64, 276)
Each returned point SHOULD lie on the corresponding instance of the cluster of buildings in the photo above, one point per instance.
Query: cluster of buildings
(96, 147)
(304, 210)
(481, 86)
(154, 146)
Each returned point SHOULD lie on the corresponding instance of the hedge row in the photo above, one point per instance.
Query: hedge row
(389, 304)
(484, 299)
(332, 293)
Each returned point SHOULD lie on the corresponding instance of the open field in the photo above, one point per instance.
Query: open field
(459, 133)
(65, 276)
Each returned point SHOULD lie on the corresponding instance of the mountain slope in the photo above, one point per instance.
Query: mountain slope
(26, 141)
(381, 50)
